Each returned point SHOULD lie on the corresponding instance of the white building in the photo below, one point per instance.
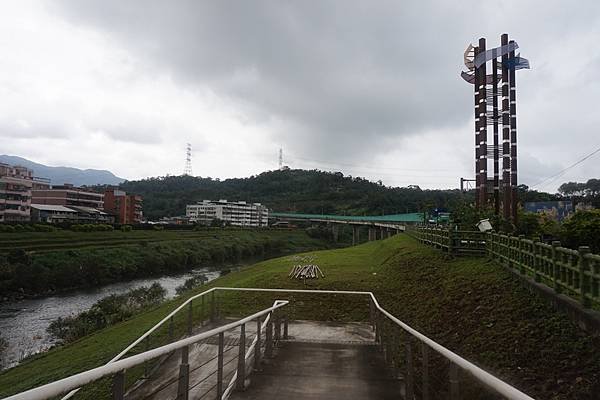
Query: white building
(238, 213)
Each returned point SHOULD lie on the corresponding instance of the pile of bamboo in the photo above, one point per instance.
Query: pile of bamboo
(308, 271)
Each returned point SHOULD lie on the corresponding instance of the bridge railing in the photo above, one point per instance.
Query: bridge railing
(428, 370)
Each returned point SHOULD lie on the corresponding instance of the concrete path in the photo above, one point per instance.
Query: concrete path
(320, 360)
(324, 360)
(322, 371)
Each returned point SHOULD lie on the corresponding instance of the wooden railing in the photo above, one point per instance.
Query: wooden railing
(575, 273)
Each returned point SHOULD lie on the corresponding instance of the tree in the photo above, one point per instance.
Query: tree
(572, 189)
(582, 229)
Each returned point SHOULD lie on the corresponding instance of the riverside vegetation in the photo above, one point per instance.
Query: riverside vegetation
(469, 305)
(106, 312)
(116, 308)
(36, 263)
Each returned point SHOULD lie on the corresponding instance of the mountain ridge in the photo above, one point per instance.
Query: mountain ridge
(60, 175)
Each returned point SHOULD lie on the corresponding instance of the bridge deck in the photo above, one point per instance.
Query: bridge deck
(327, 371)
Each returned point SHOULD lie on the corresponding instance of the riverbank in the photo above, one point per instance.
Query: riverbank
(50, 263)
(470, 306)
(23, 323)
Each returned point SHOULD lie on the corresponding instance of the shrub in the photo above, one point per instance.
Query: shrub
(107, 311)
(91, 227)
(7, 228)
(43, 228)
(191, 283)
(126, 228)
(582, 229)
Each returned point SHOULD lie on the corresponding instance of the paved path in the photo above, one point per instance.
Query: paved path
(324, 371)
(324, 361)
(321, 360)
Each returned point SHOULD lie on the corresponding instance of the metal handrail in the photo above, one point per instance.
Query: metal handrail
(78, 380)
(481, 375)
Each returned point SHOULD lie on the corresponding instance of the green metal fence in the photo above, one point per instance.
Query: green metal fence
(575, 273)
(453, 241)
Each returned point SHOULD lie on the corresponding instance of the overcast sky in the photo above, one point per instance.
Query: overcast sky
(368, 88)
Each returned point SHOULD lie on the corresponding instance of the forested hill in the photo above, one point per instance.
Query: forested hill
(288, 190)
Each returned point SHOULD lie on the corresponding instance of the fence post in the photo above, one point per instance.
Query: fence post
(537, 265)
(520, 256)
(425, 358)
(454, 382)
(269, 337)
(258, 345)
(555, 267)
(241, 367)
(212, 306)
(285, 328)
(118, 386)
(277, 329)
(184, 375)
(372, 313)
(220, 366)
(451, 240)
(202, 308)
(584, 281)
(147, 347)
(171, 330)
(410, 391)
(509, 251)
(190, 318)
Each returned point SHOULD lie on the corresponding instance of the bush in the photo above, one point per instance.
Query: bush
(582, 229)
(91, 227)
(43, 228)
(7, 228)
(191, 283)
(126, 228)
(107, 311)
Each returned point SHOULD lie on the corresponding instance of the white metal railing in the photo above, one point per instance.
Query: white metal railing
(377, 312)
(78, 380)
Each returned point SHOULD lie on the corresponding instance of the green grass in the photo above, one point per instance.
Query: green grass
(471, 306)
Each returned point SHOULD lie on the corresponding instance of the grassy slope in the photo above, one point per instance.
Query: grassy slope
(104, 261)
(469, 305)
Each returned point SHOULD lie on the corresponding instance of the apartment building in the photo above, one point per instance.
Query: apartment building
(67, 195)
(238, 213)
(15, 193)
(127, 208)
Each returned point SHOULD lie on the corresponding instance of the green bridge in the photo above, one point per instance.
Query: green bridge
(393, 218)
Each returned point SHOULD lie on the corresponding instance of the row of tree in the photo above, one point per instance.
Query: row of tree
(582, 191)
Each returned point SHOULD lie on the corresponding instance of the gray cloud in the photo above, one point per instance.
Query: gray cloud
(347, 81)
(341, 75)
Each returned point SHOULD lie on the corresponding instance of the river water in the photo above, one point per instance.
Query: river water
(23, 323)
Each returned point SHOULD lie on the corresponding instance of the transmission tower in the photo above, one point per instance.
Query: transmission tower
(280, 158)
(188, 160)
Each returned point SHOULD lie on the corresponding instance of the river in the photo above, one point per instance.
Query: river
(23, 323)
